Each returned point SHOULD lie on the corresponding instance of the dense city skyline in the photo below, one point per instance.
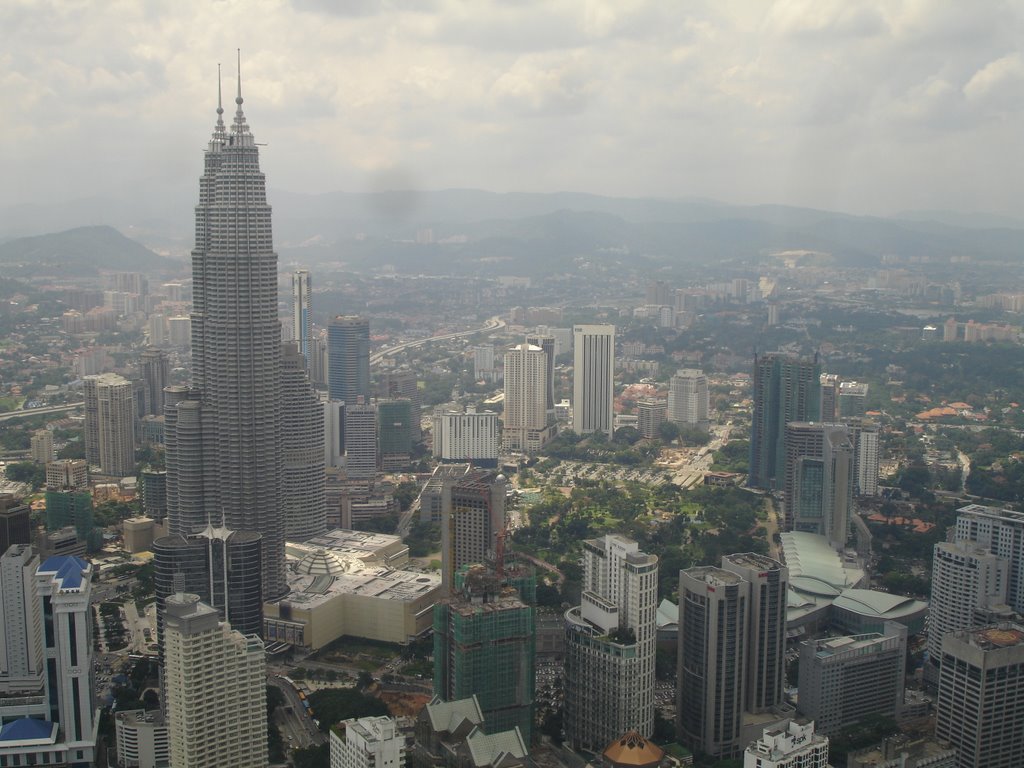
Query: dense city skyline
(878, 108)
(720, 488)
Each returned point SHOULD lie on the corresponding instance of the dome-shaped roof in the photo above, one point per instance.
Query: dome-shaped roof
(634, 751)
(322, 563)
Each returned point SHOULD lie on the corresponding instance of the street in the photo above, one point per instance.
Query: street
(297, 728)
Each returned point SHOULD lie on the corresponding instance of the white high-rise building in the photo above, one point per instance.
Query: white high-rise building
(302, 311)
(688, 398)
(526, 381)
(547, 343)
(651, 414)
(593, 379)
(866, 441)
(157, 326)
(21, 627)
(179, 330)
(369, 742)
(610, 645)
(1001, 531)
(968, 588)
(483, 362)
(109, 432)
(67, 473)
(215, 683)
(795, 746)
(142, 739)
(41, 447)
(466, 436)
(49, 717)
(360, 441)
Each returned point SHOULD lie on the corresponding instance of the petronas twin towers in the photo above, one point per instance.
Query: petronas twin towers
(224, 432)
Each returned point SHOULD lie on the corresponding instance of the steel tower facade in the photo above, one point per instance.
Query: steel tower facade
(236, 357)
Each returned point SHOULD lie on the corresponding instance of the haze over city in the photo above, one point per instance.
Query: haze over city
(512, 385)
(867, 108)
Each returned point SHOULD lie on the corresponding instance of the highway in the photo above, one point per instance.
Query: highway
(39, 411)
(494, 324)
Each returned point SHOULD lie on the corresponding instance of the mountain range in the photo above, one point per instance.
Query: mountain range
(473, 231)
(79, 252)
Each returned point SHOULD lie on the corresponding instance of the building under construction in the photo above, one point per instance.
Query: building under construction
(484, 645)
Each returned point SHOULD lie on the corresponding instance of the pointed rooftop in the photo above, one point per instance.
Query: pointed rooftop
(633, 751)
(240, 133)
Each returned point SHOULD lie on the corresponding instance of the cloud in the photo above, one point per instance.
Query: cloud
(634, 97)
(999, 84)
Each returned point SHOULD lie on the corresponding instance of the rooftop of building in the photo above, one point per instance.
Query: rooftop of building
(447, 716)
(372, 728)
(633, 749)
(71, 572)
(641, 559)
(851, 644)
(322, 562)
(494, 749)
(754, 561)
(17, 550)
(360, 544)
(981, 510)
(507, 600)
(626, 546)
(667, 614)
(184, 604)
(28, 731)
(869, 602)
(815, 567)
(107, 378)
(778, 743)
(140, 716)
(310, 590)
(993, 637)
(714, 576)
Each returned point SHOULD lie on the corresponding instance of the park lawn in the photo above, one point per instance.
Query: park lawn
(10, 403)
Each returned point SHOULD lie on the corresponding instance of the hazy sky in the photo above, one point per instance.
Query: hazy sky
(856, 105)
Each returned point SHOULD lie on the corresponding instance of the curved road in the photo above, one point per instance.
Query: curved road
(297, 724)
(491, 325)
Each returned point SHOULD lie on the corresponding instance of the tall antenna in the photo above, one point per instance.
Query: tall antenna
(220, 104)
(238, 98)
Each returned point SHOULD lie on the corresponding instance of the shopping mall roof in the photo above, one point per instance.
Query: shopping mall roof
(815, 567)
(868, 602)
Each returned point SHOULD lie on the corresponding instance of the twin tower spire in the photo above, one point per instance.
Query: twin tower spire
(239, 127)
